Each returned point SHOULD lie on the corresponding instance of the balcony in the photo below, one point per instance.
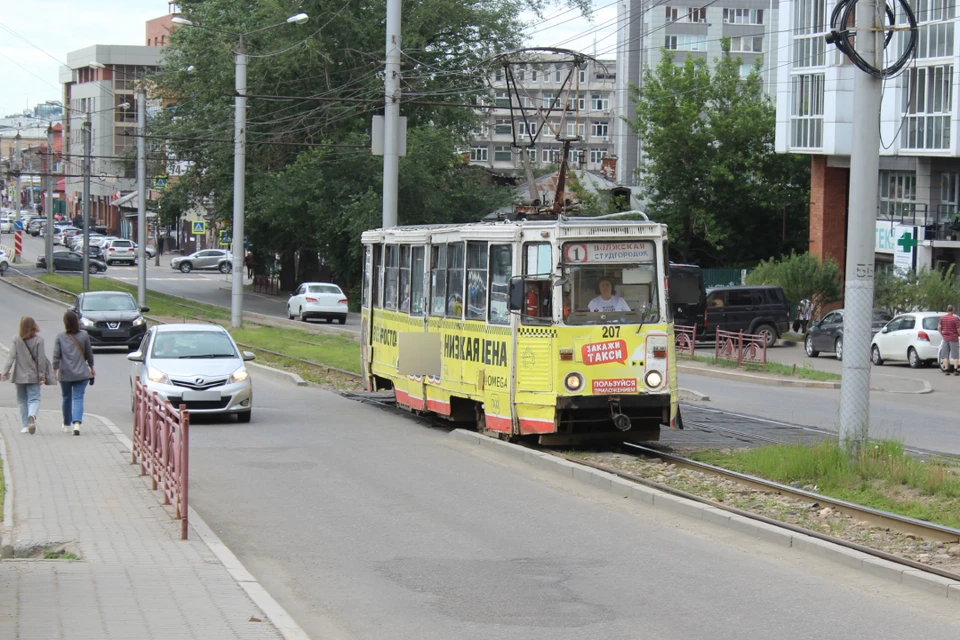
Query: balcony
(942, 224)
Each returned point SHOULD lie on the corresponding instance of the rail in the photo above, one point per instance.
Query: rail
(740, 347)
(161, 444)
(685, 339)
(267, 285)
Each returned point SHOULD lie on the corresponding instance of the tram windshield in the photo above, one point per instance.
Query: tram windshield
(610, 283)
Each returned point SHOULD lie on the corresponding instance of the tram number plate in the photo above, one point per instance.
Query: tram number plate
(611, 332)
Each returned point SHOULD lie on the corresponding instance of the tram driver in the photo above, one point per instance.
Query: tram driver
(608, 300)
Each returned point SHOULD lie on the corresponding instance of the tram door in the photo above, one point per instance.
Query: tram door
(372, 268)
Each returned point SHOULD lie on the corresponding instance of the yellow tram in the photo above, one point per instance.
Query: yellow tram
(557, 329)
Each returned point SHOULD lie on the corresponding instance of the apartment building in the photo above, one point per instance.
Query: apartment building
(590, 116)
(919, 183)
(646, 29)
(99, 83)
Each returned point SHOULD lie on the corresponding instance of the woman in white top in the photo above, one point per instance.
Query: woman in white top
(607, 300)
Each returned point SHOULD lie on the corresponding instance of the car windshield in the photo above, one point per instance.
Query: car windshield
(193, 344)
(118, 302)
(930, 323)
(324, 288)
(599, 288)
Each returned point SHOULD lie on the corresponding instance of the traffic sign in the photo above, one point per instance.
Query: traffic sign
(225, 239)
(18, 225)
(199, 228)
(160, 182)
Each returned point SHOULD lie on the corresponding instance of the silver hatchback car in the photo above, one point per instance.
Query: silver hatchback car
(197, 365)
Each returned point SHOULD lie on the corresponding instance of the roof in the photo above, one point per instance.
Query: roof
(171, 328)
(590, 182)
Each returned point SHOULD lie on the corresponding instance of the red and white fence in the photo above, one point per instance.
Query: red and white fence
(735, 346)
(161, 444)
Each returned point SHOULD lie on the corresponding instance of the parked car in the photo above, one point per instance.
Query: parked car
(762, 310)
(204, 259)
(318, 300)
(119, 250)
(827, 334)
(910, 337)
(197, 365)
(34, 226)
(64, 234)
(4, 262)
(688, 295)
(150, 251)
(112, 318)
(71, 261)
(6, 225)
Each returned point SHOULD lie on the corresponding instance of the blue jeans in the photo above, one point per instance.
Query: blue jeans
(28, 399)
(73, 400)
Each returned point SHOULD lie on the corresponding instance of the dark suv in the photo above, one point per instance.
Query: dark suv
(756, 310)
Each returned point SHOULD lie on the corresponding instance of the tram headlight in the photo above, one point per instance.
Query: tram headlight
(653, 379)
(573, 382)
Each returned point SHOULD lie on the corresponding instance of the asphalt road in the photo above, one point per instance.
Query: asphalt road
(210, 287)
(365, 524)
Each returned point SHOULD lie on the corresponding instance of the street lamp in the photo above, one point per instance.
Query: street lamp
(239, 154)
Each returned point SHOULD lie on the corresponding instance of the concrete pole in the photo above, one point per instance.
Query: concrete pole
(391, 116)
(19, 194)
(858, 292)
(87, 143)
(141, 196)
(51, 180)
(239, 181)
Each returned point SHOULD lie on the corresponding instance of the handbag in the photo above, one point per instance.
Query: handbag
(84, 356)
(48, 378)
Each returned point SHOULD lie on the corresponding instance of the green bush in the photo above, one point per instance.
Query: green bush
(801, 276)
(924, 290)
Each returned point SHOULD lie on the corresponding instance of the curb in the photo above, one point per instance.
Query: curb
(689, 395)
(275, 613)
(34, 293)
(758, 379)
(279, 374)
(909, 577)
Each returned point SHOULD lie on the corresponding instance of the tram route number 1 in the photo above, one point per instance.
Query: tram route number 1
(611, 332)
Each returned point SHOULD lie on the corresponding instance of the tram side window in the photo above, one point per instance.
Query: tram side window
(417, 300)
(455, 260)
(367, 269)
(376, 274)
(438, 280)
(390, 284)
(537, 283)
(405, 278)
(501, 268)
(476, 280)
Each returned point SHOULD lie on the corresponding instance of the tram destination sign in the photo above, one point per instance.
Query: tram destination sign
(607, 252)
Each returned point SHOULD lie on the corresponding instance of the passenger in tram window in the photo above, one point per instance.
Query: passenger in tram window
(607, 300)
(405, 298)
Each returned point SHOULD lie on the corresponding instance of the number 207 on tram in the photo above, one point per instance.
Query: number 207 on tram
(556, 330)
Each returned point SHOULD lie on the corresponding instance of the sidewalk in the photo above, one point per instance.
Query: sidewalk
(135, 578)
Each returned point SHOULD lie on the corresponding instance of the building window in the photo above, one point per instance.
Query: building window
(527, 128)
(936, 28)
(556, 76)
(686, 42)
(743, 16)
(806, 119)
(597, 155)
(746, 44)
(927, 103)
(575, 157)
(550, 102)
(809, 46)
(599, 102)
(574, 129)
(503, 127)
(600, 129)
(670, 43)
(478, 154)
(583, 76)
(673, 14)
(502, 99)
(696, 15)
(502, 153)
(898, 194)
(550, 156)
(533, 74)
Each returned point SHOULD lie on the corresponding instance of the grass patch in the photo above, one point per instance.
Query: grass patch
(60, 555)
(881, 476)
(776, 368)
(335, 350)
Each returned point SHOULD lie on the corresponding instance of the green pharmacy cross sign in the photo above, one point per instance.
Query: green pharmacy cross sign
(907, 242)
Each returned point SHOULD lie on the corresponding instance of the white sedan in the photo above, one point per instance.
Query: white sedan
(6, 225)
(4, 262)
(910, 337)
(318, 300)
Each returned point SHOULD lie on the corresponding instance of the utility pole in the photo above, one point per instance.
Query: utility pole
(239, 184)
(87, 142)
(391, 116)
(48, 236)
(141, 196)
(858, 290)
(19, 196)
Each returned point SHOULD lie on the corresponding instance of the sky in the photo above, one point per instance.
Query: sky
(35, 36)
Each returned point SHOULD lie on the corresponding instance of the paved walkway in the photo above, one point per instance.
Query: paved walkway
(135, 577)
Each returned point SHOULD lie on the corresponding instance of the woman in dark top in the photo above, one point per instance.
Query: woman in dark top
(73, 365)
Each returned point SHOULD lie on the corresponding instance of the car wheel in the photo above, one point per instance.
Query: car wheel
(838, 348)
(342, 319)
(289, 313)
(913, 359)
(94, 269)
(225, 268)
(875, 356)
(300, 315)
(109, 263)
(769, 334)
(186, 267)
(245, 416)
(808, 347)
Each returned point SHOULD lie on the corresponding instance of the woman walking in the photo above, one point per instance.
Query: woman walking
(32, 370)
(73, 359)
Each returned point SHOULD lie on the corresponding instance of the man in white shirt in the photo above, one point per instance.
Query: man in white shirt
(607, 300)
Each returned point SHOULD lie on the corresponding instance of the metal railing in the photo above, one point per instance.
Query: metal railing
(685, 339)
(268, 285)
(740, 347)
(161, 444)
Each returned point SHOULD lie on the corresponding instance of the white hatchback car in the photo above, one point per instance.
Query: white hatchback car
(318, 300)
(197, 365)
(910, 337)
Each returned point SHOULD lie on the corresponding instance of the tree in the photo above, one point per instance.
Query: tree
(710, 166)
(924, 290)
(801, 276)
